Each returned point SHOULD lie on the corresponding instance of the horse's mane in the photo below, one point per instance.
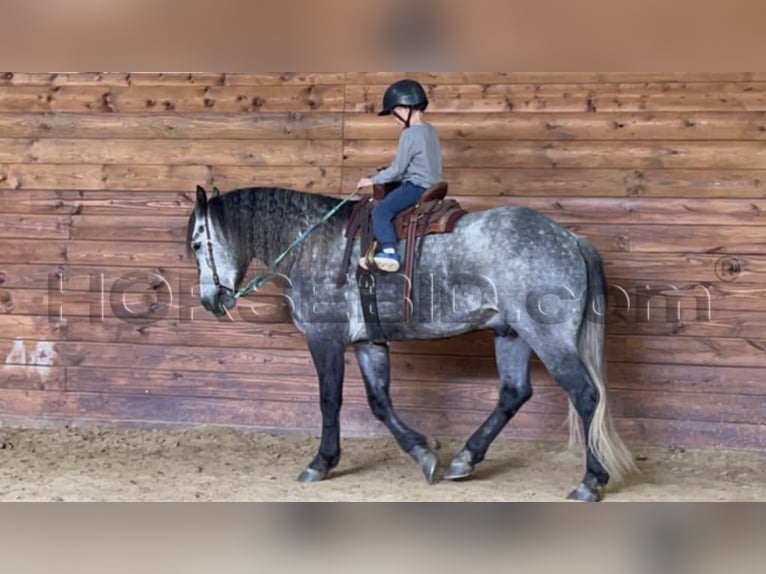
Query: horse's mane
(259, 220)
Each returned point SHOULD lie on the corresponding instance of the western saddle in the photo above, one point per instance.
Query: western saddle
(432, 214)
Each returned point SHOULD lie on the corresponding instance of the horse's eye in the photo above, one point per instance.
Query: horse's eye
(196, 246)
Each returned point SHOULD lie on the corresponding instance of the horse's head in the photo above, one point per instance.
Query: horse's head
(219, 268)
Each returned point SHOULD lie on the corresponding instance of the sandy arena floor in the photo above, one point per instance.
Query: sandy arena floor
(224, 465)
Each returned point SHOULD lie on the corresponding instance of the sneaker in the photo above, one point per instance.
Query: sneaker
(388, 262)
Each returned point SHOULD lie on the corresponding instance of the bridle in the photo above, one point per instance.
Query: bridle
(211, 259)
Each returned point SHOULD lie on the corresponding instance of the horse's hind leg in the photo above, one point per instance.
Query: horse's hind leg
(570, 372)
(512, 357)
(375, 366)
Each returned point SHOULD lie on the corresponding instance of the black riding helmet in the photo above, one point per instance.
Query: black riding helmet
(407, 93)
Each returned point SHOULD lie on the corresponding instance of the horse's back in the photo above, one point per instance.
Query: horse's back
(522, 223)
(512, 236)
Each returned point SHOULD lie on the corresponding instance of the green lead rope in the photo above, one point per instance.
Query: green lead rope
(259, 280)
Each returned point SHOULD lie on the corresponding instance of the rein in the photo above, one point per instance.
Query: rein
(259, 280)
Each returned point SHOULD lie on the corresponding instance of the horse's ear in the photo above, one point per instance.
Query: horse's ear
(201, 198)
(216, 191)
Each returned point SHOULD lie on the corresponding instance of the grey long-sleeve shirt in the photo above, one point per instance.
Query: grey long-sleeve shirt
(418, 158)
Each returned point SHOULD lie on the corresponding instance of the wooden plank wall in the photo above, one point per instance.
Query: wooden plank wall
(666, 173)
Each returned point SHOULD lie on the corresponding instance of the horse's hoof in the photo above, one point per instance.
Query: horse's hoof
(584, 493)
(460, 467)
(428, 462)
(311, 475)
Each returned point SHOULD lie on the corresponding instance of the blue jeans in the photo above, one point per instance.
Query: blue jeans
(404, 196)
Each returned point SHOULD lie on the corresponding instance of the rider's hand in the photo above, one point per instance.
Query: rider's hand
(364, 182)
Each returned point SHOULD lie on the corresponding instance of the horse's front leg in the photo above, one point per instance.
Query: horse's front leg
(327, 354)
(374, 364)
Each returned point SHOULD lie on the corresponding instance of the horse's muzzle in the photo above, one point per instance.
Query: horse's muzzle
(223, 301)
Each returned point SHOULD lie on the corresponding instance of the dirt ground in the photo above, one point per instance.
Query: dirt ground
(99, 464)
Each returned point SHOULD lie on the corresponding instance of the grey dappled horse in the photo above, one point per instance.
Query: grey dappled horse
(536, 285)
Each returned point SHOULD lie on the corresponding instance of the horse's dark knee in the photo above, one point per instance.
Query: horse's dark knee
(584, 397)
(511, 399)
(378, 408)
(574, 379)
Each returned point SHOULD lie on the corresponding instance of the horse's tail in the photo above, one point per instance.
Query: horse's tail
(603, 441)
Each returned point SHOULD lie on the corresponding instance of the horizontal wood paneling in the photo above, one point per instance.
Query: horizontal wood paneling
(631, 304)
(721, 239)
(588, 154)
(163, 152)
(606, 97)
(609, 78)
(572, 182)
(176, 79)
(91, 252)
(656, 237)
(708, 126)
(171, 98)
(654, 211)
(172, 321)
(131, 409)
(624, 376)
(566, 210)
(167, 228)
(655, 268)
(290, 125)
(86, 177)
(465, 357)
(41, 226)
(687, 379)
(94, 243)
(618, 126)
(665, 173)
(469, 395)
(496, 183)
(16, 178)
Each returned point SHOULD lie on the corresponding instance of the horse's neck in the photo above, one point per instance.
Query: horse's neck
(275, 218)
